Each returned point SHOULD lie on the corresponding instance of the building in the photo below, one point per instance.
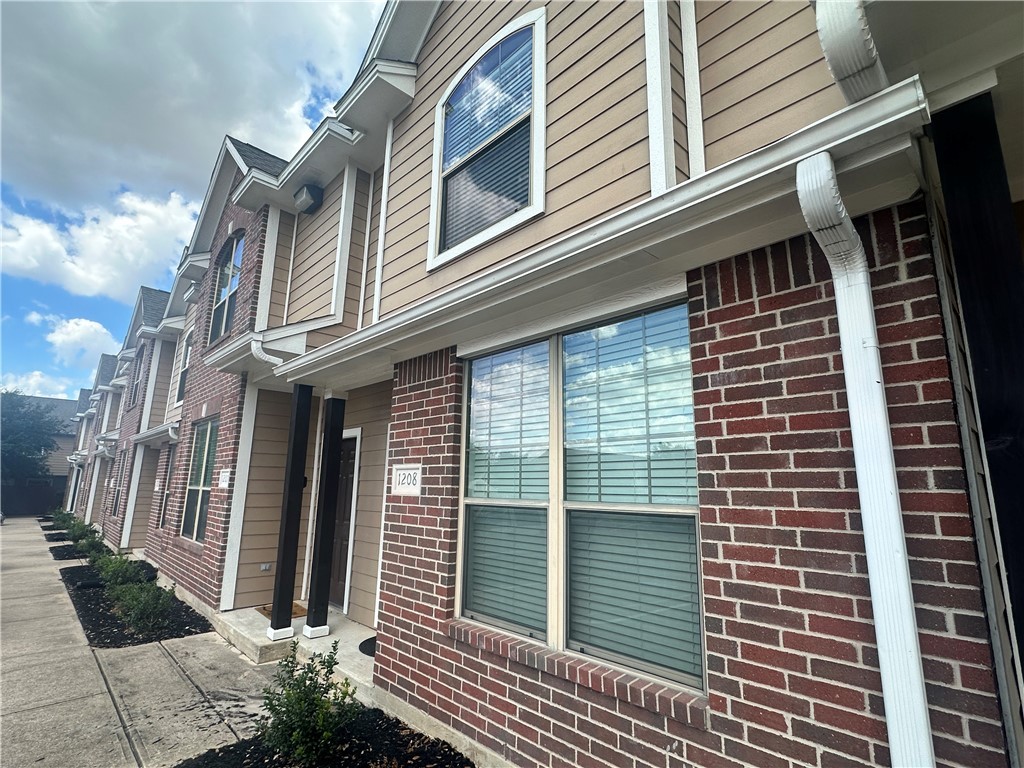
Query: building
(645, 376)
(43, 493)
(97, 429)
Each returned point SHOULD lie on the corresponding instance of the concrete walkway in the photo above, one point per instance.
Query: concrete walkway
(63, 703)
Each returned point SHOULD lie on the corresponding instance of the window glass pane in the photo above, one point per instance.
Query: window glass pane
(628, 421)
(211, 455)
(223, 281)
(508, 450)
(495, 93)
(633, 588)
(188, 522)
(217, 323)
(229, 315)
(236, 257)
(204, 504)
(198, 454)
(491, 186)
(506, 565)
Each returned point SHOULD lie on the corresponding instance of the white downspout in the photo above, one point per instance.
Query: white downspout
(892, 600)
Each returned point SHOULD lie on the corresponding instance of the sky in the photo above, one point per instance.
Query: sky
(112, 118)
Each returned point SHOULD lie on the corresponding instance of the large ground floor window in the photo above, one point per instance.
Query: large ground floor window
(200, 480)
(579, 521)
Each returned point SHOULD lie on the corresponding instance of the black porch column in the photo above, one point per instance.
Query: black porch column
(291, 512)
(326, 517)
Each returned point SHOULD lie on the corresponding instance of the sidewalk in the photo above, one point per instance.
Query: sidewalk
(63, 703)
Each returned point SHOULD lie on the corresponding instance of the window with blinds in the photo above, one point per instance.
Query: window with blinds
(608, 466)
(488, 153)
(200, 480)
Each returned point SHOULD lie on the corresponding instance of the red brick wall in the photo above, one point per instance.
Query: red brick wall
(791, 657)
(199, 566)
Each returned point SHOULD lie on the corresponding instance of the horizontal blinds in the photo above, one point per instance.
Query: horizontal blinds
(495, 93)
(508, 449)
(628, 419)
(506, 565)
(491, 186)
(633, 588)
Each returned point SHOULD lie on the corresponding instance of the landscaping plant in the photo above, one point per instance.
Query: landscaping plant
(308, 712)
(62, 519)
(144, 606)
(117, 570)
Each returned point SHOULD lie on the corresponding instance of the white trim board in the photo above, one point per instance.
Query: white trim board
(659, 96)
(692, 95)
(267, 269)
(234, 542)
(133, 496)
(382, 228)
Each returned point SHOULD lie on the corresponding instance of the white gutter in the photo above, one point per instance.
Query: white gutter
(892, 600)
(849, 48)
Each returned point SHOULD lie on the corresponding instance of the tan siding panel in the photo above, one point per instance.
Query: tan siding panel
(316, 252)
(675, 59)
(282, 262)
(162, 385)
(763, 77)
(144, 498)
(596, 80)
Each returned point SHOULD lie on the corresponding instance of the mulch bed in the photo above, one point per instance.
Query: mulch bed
(60, 536)
(65, 552)
(104, 629)
(377, 740)
(51, 527)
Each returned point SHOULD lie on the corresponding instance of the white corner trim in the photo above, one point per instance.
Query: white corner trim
(383, 526)
(366, 250)
(133, 495)
(267, 269)
(892, 600)
(341, 257)
(314, 494)
(357, 433)
(692, 95)
(659, 96)
(849, 48)
(382, 228)
(234, 541)
(291, 267)
(538, 144)
(314, 632)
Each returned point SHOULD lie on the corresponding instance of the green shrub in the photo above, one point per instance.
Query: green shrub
(77, 530)
(143, 606)
(93, 550)
(117, 570)
(62, 519)
(308, 712)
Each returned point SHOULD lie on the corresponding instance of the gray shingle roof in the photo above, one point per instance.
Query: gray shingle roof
(154, 302)
(83, 400)
(63, 410)
(105, 370)
(255, 157)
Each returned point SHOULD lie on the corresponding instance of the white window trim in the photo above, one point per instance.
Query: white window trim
(186, 354)
(225, 324)
(538, 140)
(193, 536)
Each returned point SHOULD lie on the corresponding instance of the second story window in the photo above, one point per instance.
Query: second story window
(186, 357)
(133, 397)
(489, 143)
(228, 270)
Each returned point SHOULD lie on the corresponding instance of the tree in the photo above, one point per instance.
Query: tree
(26, 435)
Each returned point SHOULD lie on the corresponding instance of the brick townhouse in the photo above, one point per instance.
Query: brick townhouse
(654, 376)
(97, 429)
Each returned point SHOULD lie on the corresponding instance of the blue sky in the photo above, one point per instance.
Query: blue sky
(113, 117)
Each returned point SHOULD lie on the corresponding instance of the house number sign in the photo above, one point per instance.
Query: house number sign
(405, 479)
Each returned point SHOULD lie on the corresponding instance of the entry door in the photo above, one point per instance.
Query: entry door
(343, 524)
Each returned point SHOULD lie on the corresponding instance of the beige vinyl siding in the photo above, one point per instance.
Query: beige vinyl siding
(369, 408)
(162, 385)
(675, 59)
(371, 254)
(316, 254)
(282, 261)
(763, 75)
(597, 151)
(264, 493)
(357, 247)
(57, 460)
(144, 497)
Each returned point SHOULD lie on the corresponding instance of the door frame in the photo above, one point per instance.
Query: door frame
(357, 433)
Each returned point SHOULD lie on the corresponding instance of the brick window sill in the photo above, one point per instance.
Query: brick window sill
(662, 698)
(189, 545)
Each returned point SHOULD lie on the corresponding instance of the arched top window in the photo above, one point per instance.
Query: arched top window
(489, 142)
(186, 358)
(228, 269)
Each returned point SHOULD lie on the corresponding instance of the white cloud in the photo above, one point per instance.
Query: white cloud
(104, 252)
(97, 96)
(78, 343)
(39, 384)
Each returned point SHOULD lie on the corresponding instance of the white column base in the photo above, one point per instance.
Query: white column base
(312, 632)
(280, 634)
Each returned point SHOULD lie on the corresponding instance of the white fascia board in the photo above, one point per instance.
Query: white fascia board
(233, 150)
(724, 194)
(401, 30)
(171, 327)
(213, 202)
(381, 91)
(158, 435)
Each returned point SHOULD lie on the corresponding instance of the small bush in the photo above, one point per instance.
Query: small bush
(78, 531)
(308, 712)
(62, 519)
(117, 570)
(93, 550)
(145, 607)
